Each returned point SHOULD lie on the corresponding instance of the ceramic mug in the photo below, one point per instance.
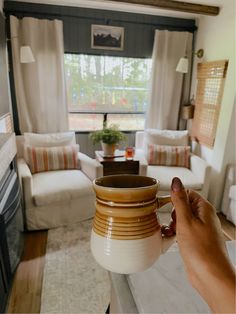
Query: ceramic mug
(126, 235)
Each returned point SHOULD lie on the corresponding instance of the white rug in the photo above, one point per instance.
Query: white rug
(73, 282)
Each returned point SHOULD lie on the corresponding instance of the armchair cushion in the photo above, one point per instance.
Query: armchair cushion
(165, 175)
(60, 186)
(42, 159)
(165, 155)
(49, 139)
(166, 137)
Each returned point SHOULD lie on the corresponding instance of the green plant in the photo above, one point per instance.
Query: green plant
(108, 135)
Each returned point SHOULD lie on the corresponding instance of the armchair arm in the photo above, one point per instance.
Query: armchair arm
(143, 164)
(92, 168)
(201, 169)
(25, 178)
(230, 180)
(139, 139)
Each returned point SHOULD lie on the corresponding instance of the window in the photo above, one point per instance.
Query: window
(108, 88)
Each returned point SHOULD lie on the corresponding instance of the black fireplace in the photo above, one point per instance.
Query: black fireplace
(11, 231)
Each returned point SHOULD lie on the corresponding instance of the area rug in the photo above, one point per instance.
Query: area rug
(73, 282)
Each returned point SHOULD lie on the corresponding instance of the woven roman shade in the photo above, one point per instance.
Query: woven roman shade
(210, 87)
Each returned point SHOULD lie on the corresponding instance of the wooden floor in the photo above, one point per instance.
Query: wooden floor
(228, 228)
(25, 296)
(26, 290)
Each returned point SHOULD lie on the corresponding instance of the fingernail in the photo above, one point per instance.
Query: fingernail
(176, 185)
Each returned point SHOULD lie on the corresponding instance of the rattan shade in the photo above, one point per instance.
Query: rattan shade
(211, 78)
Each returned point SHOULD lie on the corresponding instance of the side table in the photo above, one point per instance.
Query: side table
(117, 164)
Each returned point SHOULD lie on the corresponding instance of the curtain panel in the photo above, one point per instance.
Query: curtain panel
(40, 86)
(166, 83)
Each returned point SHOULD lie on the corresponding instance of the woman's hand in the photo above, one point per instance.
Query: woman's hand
(202, 248)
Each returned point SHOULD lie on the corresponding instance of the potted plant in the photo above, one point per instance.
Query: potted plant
(109, 137)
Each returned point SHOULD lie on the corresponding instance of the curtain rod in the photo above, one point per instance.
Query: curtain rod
(173, 27)
(21, 9)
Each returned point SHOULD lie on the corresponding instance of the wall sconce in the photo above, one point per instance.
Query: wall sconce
(199, 53)
(26, 54)
(182, 65)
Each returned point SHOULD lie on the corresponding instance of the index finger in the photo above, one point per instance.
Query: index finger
(181, 202)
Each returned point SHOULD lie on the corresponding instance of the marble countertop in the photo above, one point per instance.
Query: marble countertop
(163, 288)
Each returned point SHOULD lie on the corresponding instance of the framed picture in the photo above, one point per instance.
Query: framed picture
(107, 37)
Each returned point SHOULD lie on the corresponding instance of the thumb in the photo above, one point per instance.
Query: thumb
(180, 201)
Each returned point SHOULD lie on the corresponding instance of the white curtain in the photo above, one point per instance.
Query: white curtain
(166, 83)
(39, 86)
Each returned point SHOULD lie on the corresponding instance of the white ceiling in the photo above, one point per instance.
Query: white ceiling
(126, 7)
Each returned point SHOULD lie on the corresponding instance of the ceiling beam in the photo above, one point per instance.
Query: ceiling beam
(176, 6)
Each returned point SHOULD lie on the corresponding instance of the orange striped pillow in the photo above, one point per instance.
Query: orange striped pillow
(42, 159)
(178, 156)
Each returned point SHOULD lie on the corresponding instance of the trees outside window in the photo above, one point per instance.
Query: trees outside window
(114, 88)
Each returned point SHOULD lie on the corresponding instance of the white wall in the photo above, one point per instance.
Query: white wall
(1, 5)
(216, 35)
(230, 152)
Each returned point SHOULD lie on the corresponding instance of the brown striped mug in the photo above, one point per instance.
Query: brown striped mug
(126, 234)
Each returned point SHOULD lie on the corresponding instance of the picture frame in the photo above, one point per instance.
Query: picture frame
(107, 37)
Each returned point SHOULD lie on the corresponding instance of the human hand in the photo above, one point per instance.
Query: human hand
(202, 247)
(198, 228)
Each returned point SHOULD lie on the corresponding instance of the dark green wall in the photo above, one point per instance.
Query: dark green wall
(4, 94)
(139, 28)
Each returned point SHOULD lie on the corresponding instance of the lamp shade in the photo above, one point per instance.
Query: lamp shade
(26, 55)
(182, 66)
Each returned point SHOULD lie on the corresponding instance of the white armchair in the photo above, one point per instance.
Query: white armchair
(195, 177)
(228, 205)
(59, 197)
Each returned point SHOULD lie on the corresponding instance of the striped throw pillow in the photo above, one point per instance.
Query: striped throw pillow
(42, 159)
(178, 156)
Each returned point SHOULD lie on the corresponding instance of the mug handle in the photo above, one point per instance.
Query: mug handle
(166, 241)
(162, 200)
